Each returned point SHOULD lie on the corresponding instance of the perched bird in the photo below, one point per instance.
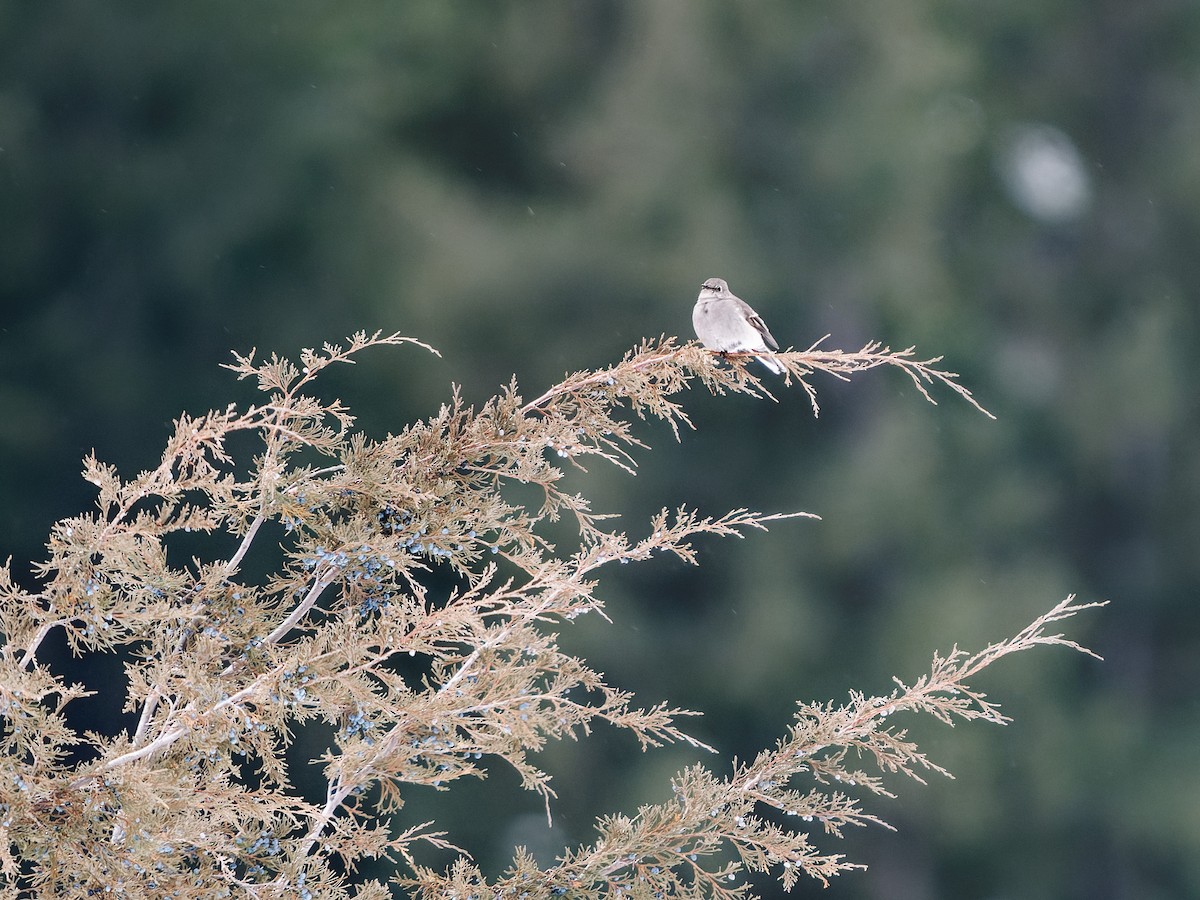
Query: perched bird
(727, 324)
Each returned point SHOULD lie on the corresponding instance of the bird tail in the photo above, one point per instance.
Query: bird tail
(771, 364)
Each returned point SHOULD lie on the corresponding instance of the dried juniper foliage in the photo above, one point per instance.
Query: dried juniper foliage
(194, 801)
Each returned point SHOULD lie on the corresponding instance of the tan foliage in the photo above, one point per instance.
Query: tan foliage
(220, 668)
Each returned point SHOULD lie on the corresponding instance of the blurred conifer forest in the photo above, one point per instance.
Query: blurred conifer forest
(534, 187)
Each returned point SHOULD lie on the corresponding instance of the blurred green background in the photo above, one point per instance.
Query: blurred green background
(534, 187)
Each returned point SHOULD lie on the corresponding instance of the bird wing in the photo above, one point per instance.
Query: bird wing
(756, 320)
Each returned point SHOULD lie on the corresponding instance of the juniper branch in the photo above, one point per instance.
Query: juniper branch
(223, 669)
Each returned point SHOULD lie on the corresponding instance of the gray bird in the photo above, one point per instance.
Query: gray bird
(727, 324)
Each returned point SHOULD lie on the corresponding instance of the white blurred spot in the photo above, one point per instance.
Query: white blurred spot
(1044, 173)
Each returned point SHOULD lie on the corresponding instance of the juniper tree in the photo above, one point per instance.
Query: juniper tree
(221, 668)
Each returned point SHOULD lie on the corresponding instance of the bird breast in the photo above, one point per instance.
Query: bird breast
(720, 326)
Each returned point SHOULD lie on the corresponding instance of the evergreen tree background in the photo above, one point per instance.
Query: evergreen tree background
(532, 188)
